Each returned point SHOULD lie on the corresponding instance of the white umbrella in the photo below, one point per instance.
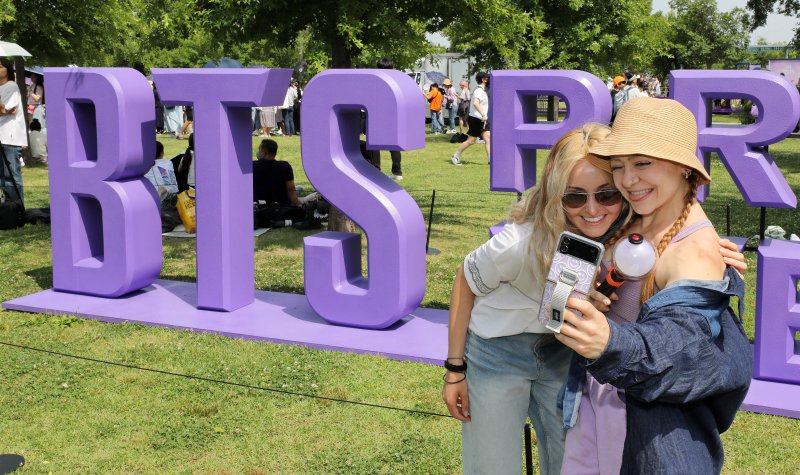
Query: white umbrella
(12, 49)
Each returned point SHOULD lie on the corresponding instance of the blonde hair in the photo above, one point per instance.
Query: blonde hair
(543, 206)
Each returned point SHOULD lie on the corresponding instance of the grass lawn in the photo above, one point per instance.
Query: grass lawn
(68, 415)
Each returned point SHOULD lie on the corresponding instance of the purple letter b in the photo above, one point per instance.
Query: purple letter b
(106, 228)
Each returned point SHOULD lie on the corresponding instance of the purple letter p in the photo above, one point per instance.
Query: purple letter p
(513, 110)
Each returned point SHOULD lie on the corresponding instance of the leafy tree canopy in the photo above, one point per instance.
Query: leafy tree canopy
(762, 8)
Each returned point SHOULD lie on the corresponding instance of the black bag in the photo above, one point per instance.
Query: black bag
(458, 138)
(12, 211)
(12, 214)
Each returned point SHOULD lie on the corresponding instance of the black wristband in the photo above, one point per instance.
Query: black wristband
(455, 368)
(444, 378)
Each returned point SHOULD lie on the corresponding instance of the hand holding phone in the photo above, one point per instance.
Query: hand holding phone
(571, 274)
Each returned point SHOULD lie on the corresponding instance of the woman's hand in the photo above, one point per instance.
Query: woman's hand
(587, 335)
(732, 257)
(600, 301)
(455, 396)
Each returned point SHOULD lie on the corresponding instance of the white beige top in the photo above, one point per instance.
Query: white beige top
(503, 276)
(12, 127)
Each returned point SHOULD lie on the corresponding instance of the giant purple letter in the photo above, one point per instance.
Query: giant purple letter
(515, 133)
(222, 99)
(335, 288)
(754, 171)
(106, 228)
(777, 354)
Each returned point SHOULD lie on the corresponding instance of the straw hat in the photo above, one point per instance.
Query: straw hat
(658, 128)
(447, 82)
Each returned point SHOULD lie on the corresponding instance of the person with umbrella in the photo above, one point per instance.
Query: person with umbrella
(13, 135)
(435, 99)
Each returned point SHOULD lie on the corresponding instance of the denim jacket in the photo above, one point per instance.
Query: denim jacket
(685, 366)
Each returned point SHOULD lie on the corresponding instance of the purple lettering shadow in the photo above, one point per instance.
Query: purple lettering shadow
(222, 99)
(392, 221)
(755, 173)
(515, 133)
(105, 223)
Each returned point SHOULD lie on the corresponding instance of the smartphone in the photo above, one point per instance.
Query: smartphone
(574, 266)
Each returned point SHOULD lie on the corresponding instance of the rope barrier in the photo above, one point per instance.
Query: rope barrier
(220, 381)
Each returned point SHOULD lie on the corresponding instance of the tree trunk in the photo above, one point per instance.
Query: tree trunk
(340, 59)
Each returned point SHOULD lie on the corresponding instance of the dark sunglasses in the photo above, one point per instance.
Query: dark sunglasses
(576, 199)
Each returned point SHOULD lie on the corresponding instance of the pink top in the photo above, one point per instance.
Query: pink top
(594, 445)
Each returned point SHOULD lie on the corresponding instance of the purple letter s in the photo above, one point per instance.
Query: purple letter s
(335, 288)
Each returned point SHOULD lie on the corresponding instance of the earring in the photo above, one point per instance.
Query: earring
(687, 173)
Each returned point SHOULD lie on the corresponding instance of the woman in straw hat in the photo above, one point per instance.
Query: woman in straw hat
(686, 363)
(503, 365)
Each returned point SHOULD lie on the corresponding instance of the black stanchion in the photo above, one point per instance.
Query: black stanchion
(428, 249)
(10, 462)
(762, 223)
(528, 450)
(728, 219)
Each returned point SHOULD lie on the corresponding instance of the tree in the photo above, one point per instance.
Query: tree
(558, 34)
(762, 8)
(352, 32)
(700, 37)
(58, 32)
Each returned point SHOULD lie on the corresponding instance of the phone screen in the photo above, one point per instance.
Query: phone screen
(579, 249)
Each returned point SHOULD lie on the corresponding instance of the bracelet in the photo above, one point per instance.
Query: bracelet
(444, 378)
(455, 358)
(454, 367)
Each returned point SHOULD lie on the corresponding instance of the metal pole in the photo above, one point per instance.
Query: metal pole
(762, 222)
(428, 249)
(552, 108)
(528, 450)
(727, 219)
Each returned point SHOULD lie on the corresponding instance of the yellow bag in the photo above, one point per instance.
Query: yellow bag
(186, 210)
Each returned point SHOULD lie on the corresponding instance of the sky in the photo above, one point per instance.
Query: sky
(779, 28)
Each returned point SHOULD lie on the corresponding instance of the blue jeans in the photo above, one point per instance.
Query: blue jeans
(453, 113)
(436, 121)
(508, 379)
(13, 153)
(288, 119)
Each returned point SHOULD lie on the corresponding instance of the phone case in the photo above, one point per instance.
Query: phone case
(585, 271)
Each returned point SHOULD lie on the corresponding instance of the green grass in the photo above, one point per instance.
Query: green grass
(67, 415)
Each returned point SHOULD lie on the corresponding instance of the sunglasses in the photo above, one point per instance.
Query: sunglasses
(576, 199)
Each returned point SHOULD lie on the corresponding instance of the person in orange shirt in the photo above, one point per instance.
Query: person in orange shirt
(435, 99)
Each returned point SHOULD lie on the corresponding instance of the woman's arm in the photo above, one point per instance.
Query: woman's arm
(454, 392)
(670, 356)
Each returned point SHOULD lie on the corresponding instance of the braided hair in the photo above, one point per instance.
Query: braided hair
(648, 285)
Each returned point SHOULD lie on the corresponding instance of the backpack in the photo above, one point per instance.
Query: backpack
(458, 138)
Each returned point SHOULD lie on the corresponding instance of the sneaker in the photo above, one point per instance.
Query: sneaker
(397, 177)
(455, 160)
(451, 132)
(479, 140)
